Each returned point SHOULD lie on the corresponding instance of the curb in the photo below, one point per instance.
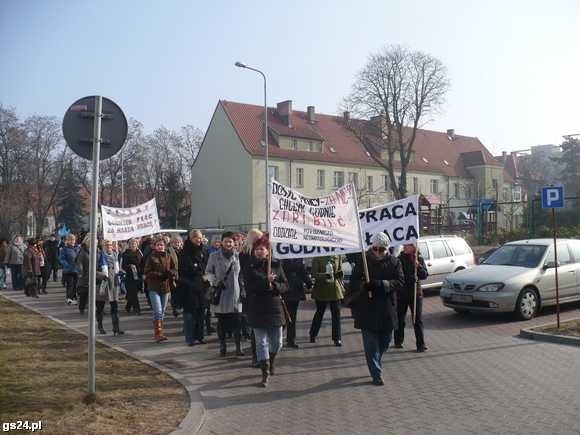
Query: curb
(195, 417)
(531, 334)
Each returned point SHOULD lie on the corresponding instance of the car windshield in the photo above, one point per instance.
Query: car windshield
(517, 255)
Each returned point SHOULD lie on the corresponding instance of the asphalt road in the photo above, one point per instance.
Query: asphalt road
(477, 377)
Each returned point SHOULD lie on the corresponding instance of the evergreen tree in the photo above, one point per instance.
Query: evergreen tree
(70, 202)
(570, 161)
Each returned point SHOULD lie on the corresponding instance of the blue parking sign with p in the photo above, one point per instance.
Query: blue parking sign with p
(553, 197)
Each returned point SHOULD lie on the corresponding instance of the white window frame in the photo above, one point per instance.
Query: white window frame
(338, 178)
(299, 177)
(320, 179)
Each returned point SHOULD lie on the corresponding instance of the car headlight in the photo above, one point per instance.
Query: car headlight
(496, 286)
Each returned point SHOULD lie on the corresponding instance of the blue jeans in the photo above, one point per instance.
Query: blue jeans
(2, 276)
(375, 345)
(268, 340)
(158, 304)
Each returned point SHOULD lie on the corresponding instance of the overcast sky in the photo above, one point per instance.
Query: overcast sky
(514, 66)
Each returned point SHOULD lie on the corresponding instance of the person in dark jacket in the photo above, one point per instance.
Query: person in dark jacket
(51, 251)
(31, 269)
(265, 305)
(192, 287)
(246, 256)
(373, 303)
(415, 270)
(131, 263)
(297, 278)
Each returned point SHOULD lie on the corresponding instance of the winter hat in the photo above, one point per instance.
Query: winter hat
(262, 241)
(380, 240)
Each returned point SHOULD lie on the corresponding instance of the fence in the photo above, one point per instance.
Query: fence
(489, 222)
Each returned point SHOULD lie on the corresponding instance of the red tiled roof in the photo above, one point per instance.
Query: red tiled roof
(434, 151)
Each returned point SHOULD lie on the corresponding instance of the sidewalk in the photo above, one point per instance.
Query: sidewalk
(473, 379)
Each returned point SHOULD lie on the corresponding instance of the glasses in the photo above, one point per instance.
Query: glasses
(381, 250)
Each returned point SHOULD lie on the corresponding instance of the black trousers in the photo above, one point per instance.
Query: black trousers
(197, 318)
(17, 277)
(228, 323)
(133, 288)
(291, 327)
(404, 303)
(52, 268)
(70, 282)
(317, 320)
(83, 297)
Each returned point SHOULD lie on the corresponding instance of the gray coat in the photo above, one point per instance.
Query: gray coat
(16, 254)
(216, 269)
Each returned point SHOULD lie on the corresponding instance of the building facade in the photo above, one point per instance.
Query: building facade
(317, 153)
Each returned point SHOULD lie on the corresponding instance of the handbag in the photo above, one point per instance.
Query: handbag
(217, 294)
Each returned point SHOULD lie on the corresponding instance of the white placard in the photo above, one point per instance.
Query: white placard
(126, 223)
(328, 221)
(399, 220)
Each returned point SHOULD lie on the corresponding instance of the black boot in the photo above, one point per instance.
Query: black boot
(116, 329)
(272, 359)
(223, 348)
(239, 351)
(115, 319)
(265, 373)
(100, 324)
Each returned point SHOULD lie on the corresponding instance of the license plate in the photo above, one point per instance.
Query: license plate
(462, 298)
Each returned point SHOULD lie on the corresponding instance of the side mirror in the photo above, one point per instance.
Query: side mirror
(550, 265)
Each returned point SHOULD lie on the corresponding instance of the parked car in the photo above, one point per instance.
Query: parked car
(444, 255)
(519, 277)
(482, 257)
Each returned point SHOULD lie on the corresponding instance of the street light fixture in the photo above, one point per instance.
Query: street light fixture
(267, 178)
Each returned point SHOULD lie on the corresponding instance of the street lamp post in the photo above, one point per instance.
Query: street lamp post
(267, 178)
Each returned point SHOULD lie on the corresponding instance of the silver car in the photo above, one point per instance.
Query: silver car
(519, 277)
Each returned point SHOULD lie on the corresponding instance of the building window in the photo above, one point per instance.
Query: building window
(506, 194)
(434, 186)
(415, 185)
(299, 177)
(353, 178)
(311, 146)
(370, 186)
(517, 193)
(468, 192)
(320, 179)
(294, 144)
(456, 191)
(273, 173)
(386, 182)
(494, 185)
(338, 178)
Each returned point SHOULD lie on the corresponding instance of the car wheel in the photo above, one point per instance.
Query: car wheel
(527, 304)
(461, 311)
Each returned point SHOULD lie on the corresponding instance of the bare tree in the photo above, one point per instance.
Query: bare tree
(399, 90)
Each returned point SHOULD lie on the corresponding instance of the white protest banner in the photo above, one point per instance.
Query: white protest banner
(328, 221)
(399, 220)
(126, 223)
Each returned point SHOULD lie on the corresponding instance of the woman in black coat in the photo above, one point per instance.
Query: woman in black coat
(297, 278)
(192, 288)
(407, 295)
(266, 313)
(373, 303)
(131, 262)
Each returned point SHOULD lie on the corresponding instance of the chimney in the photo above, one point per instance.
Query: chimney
(504, 154)
(311, 114)
(380, 124)
(284, 110)
(451, 133)
(346, 117)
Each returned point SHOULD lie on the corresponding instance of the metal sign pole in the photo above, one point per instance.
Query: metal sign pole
(93, 248)
(555, 227)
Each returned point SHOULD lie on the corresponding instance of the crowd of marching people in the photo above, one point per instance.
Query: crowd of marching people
(235, 280)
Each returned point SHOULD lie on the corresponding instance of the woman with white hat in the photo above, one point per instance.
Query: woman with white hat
(373, 303)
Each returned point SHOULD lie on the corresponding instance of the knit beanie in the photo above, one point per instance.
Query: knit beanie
(380, 240)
